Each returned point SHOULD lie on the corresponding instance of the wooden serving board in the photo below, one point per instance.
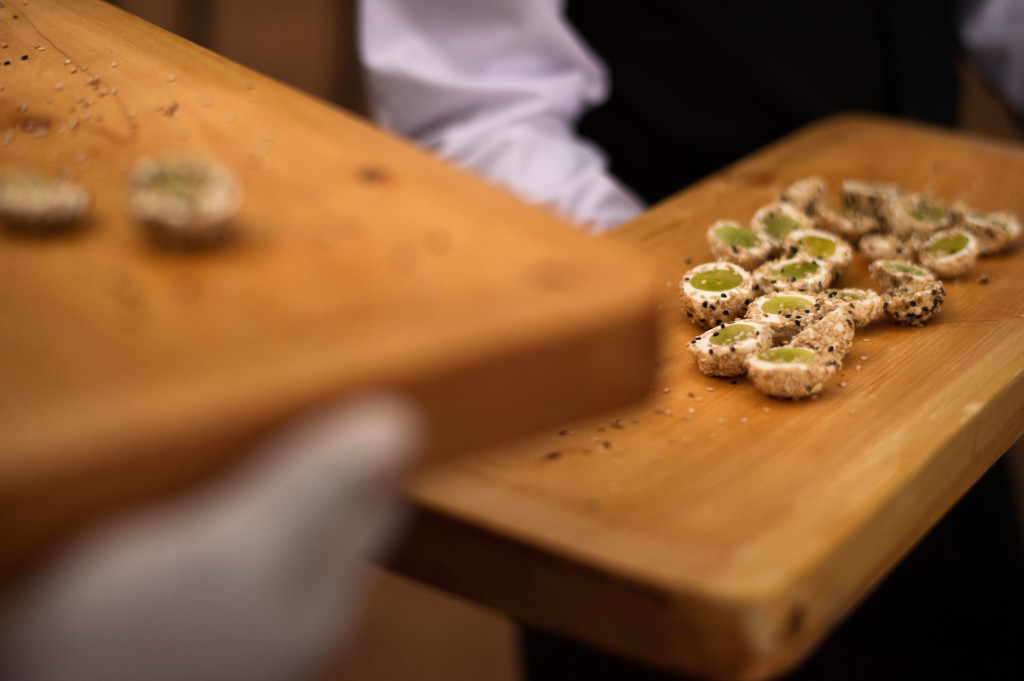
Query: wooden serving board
(128, 371)
(712, 530)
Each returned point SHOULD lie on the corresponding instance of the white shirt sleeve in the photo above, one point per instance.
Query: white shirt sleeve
(495, 86)
(992, 32)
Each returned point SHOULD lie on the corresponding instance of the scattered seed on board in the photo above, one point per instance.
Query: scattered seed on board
(864, 357)
(858, 367)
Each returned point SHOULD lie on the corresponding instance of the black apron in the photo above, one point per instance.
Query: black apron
(697, 84)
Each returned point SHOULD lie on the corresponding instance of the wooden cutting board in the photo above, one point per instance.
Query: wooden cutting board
(128, 371)
(717, 532)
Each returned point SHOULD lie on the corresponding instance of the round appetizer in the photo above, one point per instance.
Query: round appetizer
(914, 305)
(775, 220)
(731, 242)
(834, 251)
(716, 293)
(880, 246)
(185, 201)
(863, 305)
(916, 215)
(785, 313)
(831, 336)
(893, 274)
(849, 225)
(806, 194)
(995, 232)
(723, 350)
(799, 273)
(36, 203)
(867, 197)
(949, 253)
(789, 372)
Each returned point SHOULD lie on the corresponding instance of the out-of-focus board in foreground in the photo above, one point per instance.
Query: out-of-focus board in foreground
(128, 370)
(715, 531)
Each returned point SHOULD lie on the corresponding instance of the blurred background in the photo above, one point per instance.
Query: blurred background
(409, 630)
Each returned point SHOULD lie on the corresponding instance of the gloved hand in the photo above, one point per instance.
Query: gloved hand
(252, 577)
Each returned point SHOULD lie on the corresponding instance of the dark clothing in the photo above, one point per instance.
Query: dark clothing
(698, 84)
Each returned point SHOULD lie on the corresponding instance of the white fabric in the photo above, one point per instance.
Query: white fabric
(497, 85)
(253, 578)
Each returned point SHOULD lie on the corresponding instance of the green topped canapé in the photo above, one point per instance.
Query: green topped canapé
(786, 355)
(778, 225)
(904, 268)
(797, 270)
(716, 280)
(183, 182)
(734, 235)
(817, 246)
(928, 211)
(782, 304)
(734, 333)
(949, 244)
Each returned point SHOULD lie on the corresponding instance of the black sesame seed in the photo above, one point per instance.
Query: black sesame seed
(704, 304)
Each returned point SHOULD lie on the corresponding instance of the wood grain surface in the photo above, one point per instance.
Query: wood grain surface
(717, 532)
(359, 263)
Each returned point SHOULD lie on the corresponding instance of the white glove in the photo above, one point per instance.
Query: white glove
(252, 577)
